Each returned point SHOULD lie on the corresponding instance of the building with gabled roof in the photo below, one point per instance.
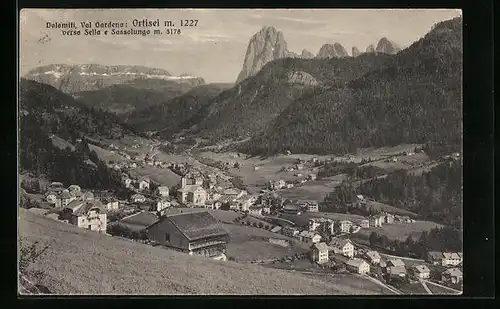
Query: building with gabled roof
(342, 246)
(138, 198)
(319, 253)
(452, 275)
(193, 233)
(358, 266)
(139, 221)
(421, 271)
(373, 257)
(162, 191)
(86, 214)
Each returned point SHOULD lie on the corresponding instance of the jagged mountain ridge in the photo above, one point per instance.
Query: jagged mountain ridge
(355, 51)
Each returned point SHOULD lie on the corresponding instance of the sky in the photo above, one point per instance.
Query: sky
(216, 47)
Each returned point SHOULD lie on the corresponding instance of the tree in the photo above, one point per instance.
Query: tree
(261, 224)
(373, 239)
(236, 165)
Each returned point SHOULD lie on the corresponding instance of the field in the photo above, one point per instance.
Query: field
(268, 169)
(241, 234)
(399, 231)
(84, 262)
(106, 155)
(163, 176)
(352, 280)
(411, 288)
(259, 250)
(249, 243)
(311, 190)
(384, 207)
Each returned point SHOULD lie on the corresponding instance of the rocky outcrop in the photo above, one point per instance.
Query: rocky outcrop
(332, 51)
(303, 78)
(266, 45)
(355, 51)
(370, 49)
(306, 54)
(89, 77)
(386, 46)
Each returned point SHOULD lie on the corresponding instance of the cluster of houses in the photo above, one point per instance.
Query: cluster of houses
(80, 208)
(361, 261)
(446, 259)
(298, 206)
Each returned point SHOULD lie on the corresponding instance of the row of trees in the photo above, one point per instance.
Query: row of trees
(435, 195)
(117, 229)
(437, 239)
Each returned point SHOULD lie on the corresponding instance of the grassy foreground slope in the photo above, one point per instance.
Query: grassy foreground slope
(84, 262)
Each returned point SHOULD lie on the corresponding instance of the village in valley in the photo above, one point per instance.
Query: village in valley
(207, 168)
(197, 208)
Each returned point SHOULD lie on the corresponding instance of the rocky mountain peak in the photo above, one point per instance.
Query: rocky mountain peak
(307, 54)
(370, 48)
(266, 45)
(335, 50)
(355, 51)
(387, 47)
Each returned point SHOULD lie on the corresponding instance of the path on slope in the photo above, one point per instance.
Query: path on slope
(425, 286)
(444, 287)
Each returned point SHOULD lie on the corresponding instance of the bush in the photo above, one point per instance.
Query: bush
(260, 225)
(30, 254)
(31, 186)
(27, 203)
(254, 224)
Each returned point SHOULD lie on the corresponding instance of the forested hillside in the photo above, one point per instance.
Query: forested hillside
(252, 105)
(135, 95)
(172, 115)
(416, 99)
(45, 110)
(435, 195)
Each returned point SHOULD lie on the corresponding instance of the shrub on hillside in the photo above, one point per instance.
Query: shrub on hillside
(260, 225)
(29, 255)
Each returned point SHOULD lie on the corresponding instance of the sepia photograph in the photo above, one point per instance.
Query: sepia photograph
(240, 152)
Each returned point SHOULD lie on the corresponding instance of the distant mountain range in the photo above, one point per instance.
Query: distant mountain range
(118, 89)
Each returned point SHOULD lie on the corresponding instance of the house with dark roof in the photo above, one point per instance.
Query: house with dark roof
(421, 271)
(434, 257)
(139, 221)
(86, 214)
(192, 233)
(64, 198)
(358, 266)
(453, 275)
(342, 246)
